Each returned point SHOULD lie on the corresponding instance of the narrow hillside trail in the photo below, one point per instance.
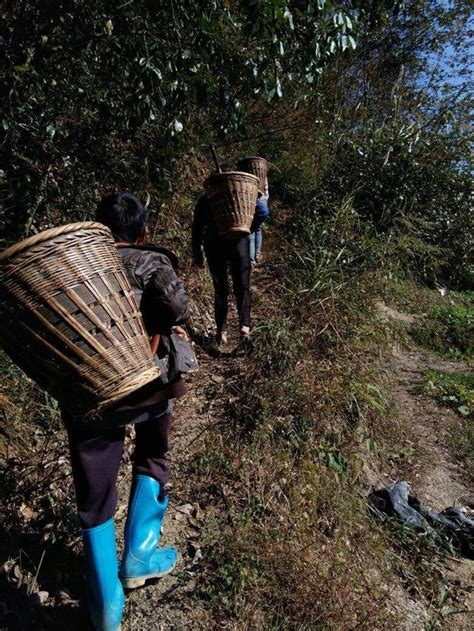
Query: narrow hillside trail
(170, 603)
(429, 462)
(173, 601)
(436, 477)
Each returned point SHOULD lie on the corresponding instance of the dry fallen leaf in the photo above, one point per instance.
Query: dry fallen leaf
(186, 509)
(26, 512)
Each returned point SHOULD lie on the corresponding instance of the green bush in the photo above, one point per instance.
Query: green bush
(448, 330)
(452, 388)
(455, 389)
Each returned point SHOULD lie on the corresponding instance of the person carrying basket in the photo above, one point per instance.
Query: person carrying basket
(223, 253)
(96, 453)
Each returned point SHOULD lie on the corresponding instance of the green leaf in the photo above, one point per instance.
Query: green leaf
(22, 68)
(371, 445)
(443, 594)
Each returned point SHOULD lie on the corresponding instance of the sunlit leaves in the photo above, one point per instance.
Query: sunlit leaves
(145, 61)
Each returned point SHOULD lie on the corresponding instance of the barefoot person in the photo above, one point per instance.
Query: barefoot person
(96, 452)
(223, 254)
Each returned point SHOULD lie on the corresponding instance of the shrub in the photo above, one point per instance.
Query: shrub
(452, 388)
(448, 330)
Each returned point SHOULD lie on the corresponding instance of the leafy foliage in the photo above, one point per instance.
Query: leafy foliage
(453, 389)
(447, 329)
(103, 94)
(372, 171)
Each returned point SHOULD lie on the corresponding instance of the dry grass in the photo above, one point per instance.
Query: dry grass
(293, 545)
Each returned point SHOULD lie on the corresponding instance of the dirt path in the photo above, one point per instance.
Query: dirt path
(435, 475)
(173, 602)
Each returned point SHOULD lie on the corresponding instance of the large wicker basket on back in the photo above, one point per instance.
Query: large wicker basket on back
(257, 166)
(232, 197)
(68, 317)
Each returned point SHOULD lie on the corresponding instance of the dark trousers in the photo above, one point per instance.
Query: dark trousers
(223, 254)
(95, 460)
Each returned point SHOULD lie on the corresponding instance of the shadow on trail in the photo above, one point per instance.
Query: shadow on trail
(38, 556)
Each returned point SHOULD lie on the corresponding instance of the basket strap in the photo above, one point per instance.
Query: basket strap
(154, 339)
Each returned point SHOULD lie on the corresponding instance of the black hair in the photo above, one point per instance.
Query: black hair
(124, 214)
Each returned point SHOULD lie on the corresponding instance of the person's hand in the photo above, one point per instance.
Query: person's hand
(181, 332)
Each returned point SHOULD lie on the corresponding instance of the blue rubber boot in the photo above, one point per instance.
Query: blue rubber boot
(104, 589)
(142, 558)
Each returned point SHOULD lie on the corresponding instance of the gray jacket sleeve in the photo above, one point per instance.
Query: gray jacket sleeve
(164, 301)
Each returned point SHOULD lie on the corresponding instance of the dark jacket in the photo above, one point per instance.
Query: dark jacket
(203, 229)
(163, 303)
(156, 286)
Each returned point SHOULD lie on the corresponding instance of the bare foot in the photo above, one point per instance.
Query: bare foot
(244, 331)
(222, 337)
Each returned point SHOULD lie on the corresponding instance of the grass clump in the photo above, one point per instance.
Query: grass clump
(455, 389)
(448, 330)
(409, 296)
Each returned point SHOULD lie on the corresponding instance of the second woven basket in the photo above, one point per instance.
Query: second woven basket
(258, 166)
(232, 198)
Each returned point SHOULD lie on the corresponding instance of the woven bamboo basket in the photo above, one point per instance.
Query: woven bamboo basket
(69, 319)
(257, 166)
(232, 197)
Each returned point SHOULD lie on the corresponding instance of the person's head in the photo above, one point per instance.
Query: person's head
(124, 214)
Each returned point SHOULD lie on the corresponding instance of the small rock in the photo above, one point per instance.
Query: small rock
(198, 556)
(193, 534)
(179, 516)
(26, 512)
(195, 552)
(121, 512)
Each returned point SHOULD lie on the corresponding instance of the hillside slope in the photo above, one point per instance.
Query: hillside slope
(220, 466)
